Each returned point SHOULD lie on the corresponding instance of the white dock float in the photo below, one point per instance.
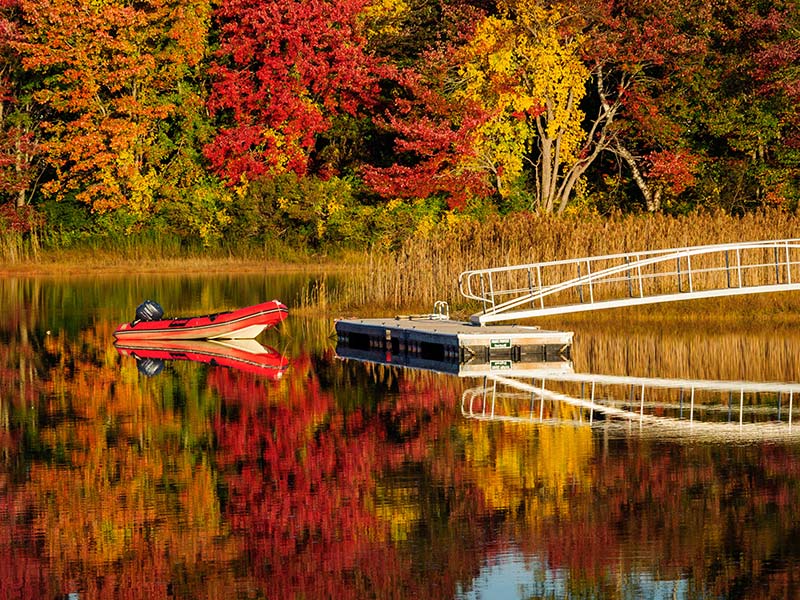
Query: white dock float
(406, 340)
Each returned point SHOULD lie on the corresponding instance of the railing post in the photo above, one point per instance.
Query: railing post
(777, 271)
(539, 279)
(680, 285)
(628, 273)
(491, 290)
(730, 406)
(739, 265)
(639, 270)
(641, 405)
(530, 286)
(741, 408)
(589, 275)
(533, 403)
(727, 268)
(788, 266)
(580, 286)
(689, 271)
(541, 406)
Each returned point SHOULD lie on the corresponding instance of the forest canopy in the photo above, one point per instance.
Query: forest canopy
(348, 121)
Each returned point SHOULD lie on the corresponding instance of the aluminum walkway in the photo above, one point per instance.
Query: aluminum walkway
(630, 279)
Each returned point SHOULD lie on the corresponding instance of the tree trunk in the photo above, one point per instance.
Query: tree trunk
(20, 162)
(555, 188)
(652, 197)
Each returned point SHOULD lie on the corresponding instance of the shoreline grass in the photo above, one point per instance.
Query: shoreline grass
(84, 263)
(425, 268)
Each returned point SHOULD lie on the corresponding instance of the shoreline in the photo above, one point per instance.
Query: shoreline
(165, 266)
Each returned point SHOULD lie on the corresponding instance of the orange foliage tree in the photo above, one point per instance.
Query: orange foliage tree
(119, 87)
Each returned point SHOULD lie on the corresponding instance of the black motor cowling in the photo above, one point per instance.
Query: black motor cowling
(150, 366)
(149, 310)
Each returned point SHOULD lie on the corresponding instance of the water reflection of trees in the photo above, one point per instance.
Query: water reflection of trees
(347, 480)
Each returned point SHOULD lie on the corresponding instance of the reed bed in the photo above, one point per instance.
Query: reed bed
(14, 247)
(426, 267)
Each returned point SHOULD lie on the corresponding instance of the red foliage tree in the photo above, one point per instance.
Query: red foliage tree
(644, 55)
(282, 72)
(434, 136)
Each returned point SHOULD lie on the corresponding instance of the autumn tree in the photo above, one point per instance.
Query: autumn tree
(507, 110)
(539, 92)
(706, 94)
(748, 105)
(116, 80)
(284, 71)
(18, 126)
(645, 57)
(526, 69)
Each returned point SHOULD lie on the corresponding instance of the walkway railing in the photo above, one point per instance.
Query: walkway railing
(634, 278)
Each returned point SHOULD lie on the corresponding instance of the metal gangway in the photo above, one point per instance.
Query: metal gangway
(708, 409)
(632, 278)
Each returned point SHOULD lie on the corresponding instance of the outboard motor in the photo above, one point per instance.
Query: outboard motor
(149, 310)
(149, 366)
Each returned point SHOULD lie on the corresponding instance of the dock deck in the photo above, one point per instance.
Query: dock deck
(444, 341)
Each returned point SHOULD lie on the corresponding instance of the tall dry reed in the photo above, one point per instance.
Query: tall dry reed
(16, 248)
(426, 268)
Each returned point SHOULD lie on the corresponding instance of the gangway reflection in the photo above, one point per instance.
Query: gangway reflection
(551, 392)
(243, 355)
(707, 409)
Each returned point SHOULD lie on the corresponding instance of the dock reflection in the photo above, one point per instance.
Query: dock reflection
(700, 409)
(473, 366)
(552, 393)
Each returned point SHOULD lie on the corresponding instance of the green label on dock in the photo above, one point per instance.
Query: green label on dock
(500, 365)
(500, 343)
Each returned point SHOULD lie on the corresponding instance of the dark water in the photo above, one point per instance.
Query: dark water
(313, 477)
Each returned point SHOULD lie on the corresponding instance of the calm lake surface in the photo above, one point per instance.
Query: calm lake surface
(659, 462)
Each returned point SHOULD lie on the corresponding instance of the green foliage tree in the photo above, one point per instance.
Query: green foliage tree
(19, 148)
(748, 105)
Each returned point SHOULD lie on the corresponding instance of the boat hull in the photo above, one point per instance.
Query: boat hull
(242, 323)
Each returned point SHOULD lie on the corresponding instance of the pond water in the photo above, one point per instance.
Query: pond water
(654, 463)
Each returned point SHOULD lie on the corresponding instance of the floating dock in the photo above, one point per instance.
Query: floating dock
(453, 346)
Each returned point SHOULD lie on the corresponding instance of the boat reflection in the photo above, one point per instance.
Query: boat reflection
(244, 355)
(701, 409)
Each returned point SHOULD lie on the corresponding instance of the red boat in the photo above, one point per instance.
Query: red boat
(242, 323)
(244, 355)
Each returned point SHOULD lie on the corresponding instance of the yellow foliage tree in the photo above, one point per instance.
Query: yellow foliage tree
(384, 17)
(523, 69)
